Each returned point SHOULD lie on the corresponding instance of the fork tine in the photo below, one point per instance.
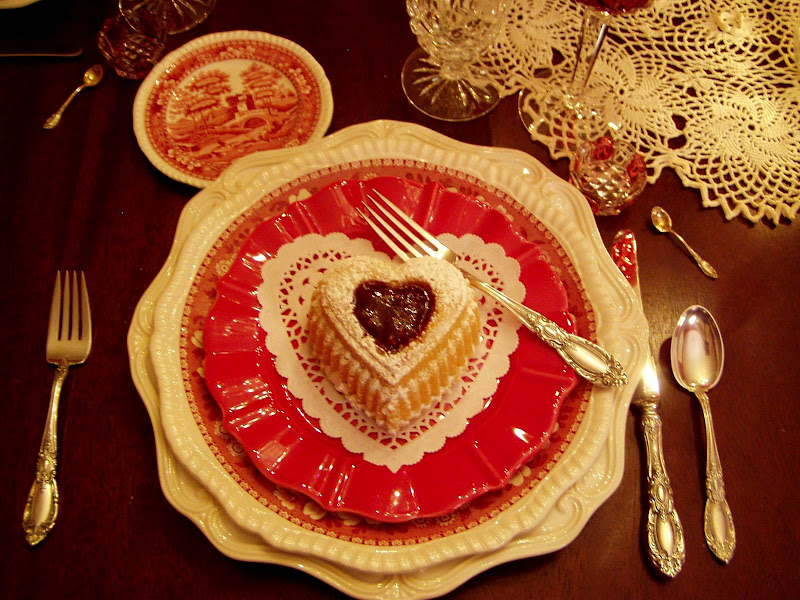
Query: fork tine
(382, 234)
(64, 334)
(55, 312)
(74, 317)
(412, 244)
(396, 228)
(399, 231)
(408, 221)
(86, 314)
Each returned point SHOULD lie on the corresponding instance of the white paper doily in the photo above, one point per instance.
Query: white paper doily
(290, 278)
(710, 88)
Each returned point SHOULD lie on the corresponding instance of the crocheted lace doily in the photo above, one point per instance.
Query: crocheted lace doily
(710, 88)
(290, 278)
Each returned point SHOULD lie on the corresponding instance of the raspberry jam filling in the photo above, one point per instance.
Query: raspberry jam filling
(394, 314)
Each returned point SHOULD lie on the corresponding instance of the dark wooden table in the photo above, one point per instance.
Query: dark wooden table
(84, 196)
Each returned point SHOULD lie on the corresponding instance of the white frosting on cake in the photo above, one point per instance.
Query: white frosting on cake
(393, 388)
(289, 281)
(451, 291)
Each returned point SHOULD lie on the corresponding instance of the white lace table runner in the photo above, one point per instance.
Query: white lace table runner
(710, 88)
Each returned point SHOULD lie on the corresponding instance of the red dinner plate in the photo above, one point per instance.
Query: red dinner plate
(289, 447)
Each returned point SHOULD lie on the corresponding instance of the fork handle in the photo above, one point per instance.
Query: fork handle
(41, 509)
(587, 358)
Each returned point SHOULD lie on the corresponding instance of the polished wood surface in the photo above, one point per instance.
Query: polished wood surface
(84, 196)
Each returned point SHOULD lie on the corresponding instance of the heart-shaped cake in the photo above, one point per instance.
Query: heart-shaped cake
(392, 338)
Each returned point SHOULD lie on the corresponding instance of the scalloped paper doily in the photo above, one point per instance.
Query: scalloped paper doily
(290, 278)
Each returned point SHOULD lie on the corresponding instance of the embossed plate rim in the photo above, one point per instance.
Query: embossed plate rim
(563, 205)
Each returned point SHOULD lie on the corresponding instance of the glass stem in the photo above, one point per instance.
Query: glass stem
(593, 29)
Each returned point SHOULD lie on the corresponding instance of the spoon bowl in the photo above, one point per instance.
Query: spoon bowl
(697, 352)
(91, 78)
(661, 219)
(663, 223)
(698, 355)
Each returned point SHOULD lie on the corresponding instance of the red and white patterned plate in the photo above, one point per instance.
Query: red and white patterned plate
(225, 95)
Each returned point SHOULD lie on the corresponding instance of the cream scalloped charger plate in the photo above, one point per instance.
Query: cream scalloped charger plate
(226, 95)
(542, 509)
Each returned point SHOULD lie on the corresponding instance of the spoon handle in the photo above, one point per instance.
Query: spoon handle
(55, 118)
(704, 265)
(665, 541)
(717, 519)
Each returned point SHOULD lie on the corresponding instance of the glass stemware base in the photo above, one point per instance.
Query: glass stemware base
(182, 15)
(555, 114)
(134, 41)
(445, 96)
(610, 173)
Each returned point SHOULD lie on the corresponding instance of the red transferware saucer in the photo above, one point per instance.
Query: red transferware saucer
(289, 447)
(225, 95)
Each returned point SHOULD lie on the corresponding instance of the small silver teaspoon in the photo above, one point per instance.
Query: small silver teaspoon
(697, 356)
(90, 79)
(663, 223)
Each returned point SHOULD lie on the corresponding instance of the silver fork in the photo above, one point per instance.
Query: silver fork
(408, 239)
(69, 340)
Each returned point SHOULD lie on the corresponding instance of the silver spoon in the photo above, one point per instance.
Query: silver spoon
(697, 357)
(663, 222)
(90, 79)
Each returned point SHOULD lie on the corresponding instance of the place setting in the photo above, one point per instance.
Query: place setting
(385, 357)
(288, 431)
(447, 528)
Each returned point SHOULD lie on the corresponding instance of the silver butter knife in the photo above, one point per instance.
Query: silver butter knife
(665, 543)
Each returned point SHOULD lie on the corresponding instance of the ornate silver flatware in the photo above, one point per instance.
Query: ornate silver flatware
(665, 542)
(69, 341)
(91, 78)
(405, 237)
(663, 223)
(697, 358)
